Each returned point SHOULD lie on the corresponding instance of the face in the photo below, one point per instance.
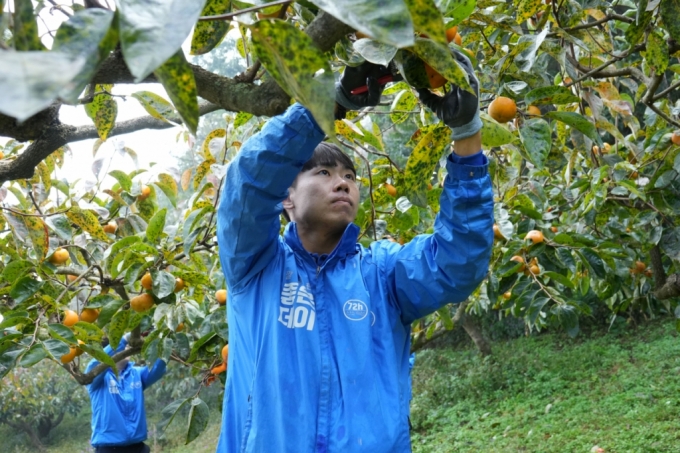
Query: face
(324, 197)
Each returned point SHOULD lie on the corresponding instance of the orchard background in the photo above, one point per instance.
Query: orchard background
(585, 170)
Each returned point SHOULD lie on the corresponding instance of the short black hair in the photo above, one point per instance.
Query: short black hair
(326, 155)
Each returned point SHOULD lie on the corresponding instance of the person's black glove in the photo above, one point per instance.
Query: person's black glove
(354, 77)
(458, 109)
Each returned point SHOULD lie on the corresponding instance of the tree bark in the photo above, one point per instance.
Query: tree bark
(472, 328)
(671, 288)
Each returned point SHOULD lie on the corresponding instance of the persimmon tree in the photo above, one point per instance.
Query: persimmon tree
(585, 173)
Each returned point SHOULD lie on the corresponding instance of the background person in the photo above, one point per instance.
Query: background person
(118, 413)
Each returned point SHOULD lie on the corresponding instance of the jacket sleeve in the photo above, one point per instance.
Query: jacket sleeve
(446, 266)
(149, 378)
(99, 379)
(256, 183)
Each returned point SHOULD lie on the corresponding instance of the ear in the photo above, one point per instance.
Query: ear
(288, 202)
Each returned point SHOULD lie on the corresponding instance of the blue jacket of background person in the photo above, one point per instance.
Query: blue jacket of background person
(118, 414)
(319, 346)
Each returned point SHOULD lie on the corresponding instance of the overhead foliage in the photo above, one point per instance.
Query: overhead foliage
(586, 175)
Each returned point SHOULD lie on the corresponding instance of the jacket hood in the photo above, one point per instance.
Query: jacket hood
(347, 245)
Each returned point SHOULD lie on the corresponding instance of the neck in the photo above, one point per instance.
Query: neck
(317, 241)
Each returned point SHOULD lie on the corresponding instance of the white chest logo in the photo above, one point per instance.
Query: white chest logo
(297, 309)
(355, 310)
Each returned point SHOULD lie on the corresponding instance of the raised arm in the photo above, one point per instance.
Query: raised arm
(446, 266)
(99, 379)
(433, 270)
(256, 183)
(150, 377)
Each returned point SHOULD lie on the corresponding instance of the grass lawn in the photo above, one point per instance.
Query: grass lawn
(546, 393)
(549, 393)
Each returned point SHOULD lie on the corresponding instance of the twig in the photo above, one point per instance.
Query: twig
(666, 91)
(33, 215)
(90, 97)
(59, 8)
(230, 16)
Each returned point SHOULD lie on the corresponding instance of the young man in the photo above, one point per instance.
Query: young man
(319, 326)
(118, 414)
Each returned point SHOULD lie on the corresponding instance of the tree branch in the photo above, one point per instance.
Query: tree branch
(670, 289)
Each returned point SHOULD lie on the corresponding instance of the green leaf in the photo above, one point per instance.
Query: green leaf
(387, 21)
(299, 67)
(90, 34)
(199, 414)
(117, 327)
(169, 412)
(103, 111)
(199, 343)
(559, 278)
(60, 225)
(431, 146)
(670, 12)
(16, 269)
(375, 51)
(56, 348)
(563, 238)
(152, 31)
(670, 243)
(594, 261)
(163, 283)
(24, 288)
(215, 134)
(88, 221)
(27, 87)
(156, 225)
(33, 355)
(178, 80)
(87, 332)
(16, 318)
(440, 58)
(494, 134)
(25, 31)
(536, 138)
(579, 122)
(527, 8)
(156, 106)
(96, 351)
(108, 311)
(550, 95)
(208, 34)
(123, 179)
(459, 10)
(568, 317)
(657, 51)
(61, 333)
(427, 19)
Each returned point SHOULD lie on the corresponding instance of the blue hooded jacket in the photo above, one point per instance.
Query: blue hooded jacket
(319, 346)
(118, 414)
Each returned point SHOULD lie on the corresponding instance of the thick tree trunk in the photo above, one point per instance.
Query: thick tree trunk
(473, 329)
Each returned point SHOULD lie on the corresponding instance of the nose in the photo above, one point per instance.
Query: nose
(341, 184)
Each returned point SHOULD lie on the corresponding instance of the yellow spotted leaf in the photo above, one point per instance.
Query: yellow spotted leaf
(156, 106)
(427, 19)
(115, 196)
(299, 67)
(441, 59)
(45, 175)
(30, 228)
(201, 171)
(103, 110)
(208, 34)
(178, 80)
(206, 150)
(422, 161)
(168, 181)
(25, 31)
(88, 222)
(527, 8)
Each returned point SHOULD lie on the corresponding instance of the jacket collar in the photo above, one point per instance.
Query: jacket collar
(346, 246)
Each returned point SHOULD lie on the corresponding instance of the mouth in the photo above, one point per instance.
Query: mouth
(346, 201)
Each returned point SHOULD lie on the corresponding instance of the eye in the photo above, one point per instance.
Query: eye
(323, 172)
(350, 176)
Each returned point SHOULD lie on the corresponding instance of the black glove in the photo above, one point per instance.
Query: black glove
(354, 77)
(458, 109)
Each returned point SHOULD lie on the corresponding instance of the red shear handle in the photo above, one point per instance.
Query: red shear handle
(382, 81)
